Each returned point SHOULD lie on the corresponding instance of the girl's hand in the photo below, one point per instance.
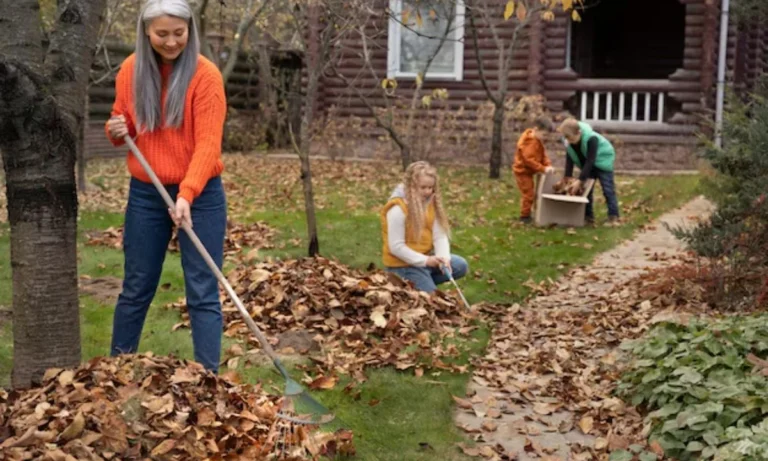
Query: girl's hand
(549, 169)
(434, 261)
(117, 127)
(183, 213)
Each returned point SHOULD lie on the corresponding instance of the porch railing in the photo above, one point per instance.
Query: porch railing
(631, 101)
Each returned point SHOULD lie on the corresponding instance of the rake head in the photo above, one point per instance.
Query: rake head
(303, 428)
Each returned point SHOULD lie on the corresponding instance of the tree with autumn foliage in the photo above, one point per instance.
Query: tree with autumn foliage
(520, 16)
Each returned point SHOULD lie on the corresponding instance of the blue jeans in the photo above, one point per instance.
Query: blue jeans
(609, 192)
(148, 229)
(427, 278)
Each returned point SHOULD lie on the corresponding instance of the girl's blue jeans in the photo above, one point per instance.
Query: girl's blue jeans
(148, 229)
(427, 278)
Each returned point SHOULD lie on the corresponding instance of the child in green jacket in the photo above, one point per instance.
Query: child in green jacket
(594, 155)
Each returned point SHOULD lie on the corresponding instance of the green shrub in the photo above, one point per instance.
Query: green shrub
(698, 386)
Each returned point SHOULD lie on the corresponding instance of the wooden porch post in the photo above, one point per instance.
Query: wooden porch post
(709, 47)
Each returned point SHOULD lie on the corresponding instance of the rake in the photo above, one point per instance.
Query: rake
(298, 408)
(447, 270)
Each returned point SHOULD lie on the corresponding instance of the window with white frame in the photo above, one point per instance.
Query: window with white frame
(415, 30)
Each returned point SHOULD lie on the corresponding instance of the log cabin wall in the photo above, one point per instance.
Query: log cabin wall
(467, 93)
(751, 60)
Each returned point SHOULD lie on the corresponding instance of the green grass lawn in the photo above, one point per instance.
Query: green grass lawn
(413, 417)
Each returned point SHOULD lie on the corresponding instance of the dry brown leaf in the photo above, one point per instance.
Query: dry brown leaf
(462, 403)
(655, 447)
(586, 424)
(164, 447)
(159, 405)
(489, 426)
(66, 377)
(74, 429)
(544, 408)
(324, 382)
(469, 451)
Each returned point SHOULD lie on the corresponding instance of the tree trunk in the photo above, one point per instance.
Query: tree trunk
(41, 110)
(267, 92)
(313, 69)
(306, 172)
(405, 155)
(496, 144)
(82, 150)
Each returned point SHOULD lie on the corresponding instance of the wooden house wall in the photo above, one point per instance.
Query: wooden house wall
(524, 74)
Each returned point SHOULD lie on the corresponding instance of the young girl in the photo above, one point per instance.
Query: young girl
(415, 231)
(172, 101)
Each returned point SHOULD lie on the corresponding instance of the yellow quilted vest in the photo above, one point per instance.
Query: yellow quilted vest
(423, 245)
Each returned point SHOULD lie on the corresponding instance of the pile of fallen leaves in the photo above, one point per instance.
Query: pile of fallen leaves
(349, 319)
(141, 406)
(563, 187)
(560, 353)
(254, 236)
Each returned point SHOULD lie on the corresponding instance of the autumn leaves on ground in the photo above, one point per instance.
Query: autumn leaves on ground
(386, 359)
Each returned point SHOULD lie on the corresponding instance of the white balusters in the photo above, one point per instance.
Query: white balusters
(599, 106)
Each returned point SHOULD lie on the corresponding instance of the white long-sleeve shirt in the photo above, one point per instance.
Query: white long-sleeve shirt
(398, 247)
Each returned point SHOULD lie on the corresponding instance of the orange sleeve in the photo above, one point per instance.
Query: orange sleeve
(209, 111)
(530, 155)
(123, 93)
(547, 161)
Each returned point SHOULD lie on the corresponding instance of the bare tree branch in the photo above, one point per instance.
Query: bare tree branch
(420, 81)
(479, 59)
(242, 31)
(111, 13)
(417, 32)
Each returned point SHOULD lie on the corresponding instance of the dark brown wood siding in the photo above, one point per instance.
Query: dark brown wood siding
(468, 93)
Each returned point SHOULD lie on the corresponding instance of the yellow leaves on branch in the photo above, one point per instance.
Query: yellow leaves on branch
(389, 85)
(522, 12)
(547, 15)
(509, 10)
(437, 94)
(575, 16)
(513, 7)
(547, 12)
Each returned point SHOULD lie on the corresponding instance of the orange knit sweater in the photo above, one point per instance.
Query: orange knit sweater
(189, 155)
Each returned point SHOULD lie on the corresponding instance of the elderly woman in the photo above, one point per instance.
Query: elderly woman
(172, 101)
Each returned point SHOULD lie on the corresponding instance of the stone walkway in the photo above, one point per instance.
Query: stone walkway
(515, 422)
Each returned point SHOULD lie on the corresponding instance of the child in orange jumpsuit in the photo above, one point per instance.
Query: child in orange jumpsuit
(530, 159)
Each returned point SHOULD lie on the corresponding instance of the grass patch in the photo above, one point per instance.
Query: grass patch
(398, 416)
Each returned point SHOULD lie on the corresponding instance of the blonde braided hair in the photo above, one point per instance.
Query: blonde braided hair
(416, 207)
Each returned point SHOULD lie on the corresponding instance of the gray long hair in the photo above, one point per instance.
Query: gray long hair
(146, 76)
